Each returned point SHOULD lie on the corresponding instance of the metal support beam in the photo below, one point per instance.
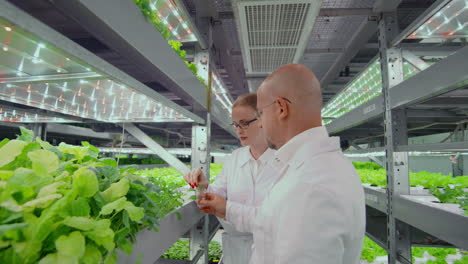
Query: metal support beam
(422, 113)
(156, 148)
(415, 60)
(374, 159)
(40, 130)
(360, 38)
(334, 12)
(386, 5)
(398, 233)
(421, 49)
(457, 163)
(199, 235)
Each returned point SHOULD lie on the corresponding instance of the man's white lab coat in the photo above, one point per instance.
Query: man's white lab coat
(315, 213)
(241, 181)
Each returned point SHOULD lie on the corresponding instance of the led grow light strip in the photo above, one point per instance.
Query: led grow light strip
(175, 18)
(84, 98)
(175, 151)
(221, 93)
(18, 115)
(366, 86)
(445, 23)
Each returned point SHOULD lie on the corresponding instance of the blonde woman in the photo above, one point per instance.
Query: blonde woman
(244, 179)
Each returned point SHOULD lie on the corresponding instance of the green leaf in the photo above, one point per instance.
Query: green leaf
(8, 227)
(22, 160)
(79, 152)
(10, 151)
(116, 190)
(81, 223)
(92, 149)
(26, 135)
(135, 213)
(51, 189)
(179, 215)
(6, 174)
(49, 259)
(80, 207)
(111, 258)
(85, 182)
(92, 255)
(44, 144)
(117, 205)
(3, 142)
(103, 237)
(10, 256)
(126, 246)
(72, 245)
(109, 162)
(28, 179)
(42, 202)
(44, 162)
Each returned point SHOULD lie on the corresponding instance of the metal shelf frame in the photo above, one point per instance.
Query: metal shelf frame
(144, 46)
(445, 76)
(441, 221)
(397, 220)
(151, 245)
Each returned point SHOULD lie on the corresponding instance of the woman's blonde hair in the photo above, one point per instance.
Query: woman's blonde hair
(249, 99)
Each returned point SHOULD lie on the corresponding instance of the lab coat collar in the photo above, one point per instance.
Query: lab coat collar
(246, 156)
(305, 145)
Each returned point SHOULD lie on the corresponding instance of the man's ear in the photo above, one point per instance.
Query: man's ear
(283, 108)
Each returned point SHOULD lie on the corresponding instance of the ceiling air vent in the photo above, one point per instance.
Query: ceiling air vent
(274, 33)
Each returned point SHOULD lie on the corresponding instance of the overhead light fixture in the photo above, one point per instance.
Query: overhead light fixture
(35, 63)
(451, 21)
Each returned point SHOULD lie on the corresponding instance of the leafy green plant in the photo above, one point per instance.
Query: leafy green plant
(176, 47)
(146, 10)
(151, 16)
(181, 250)
(453, 187)
(61, 204)
(463, 260)
(192, 67)
(371, 250)
(215, 251)
(448, 194)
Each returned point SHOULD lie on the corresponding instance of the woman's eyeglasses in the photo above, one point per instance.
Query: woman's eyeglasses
(243, 124)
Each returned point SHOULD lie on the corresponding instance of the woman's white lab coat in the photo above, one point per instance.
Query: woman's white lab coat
(241, 181)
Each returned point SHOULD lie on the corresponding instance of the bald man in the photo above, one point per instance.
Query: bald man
(315, 213)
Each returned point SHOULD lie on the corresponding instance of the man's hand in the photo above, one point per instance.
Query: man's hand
(196, 178)
(213, 204)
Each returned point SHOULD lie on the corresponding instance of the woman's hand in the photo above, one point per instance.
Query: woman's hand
(196, 178)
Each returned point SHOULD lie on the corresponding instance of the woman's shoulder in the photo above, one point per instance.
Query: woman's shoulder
(237, 155)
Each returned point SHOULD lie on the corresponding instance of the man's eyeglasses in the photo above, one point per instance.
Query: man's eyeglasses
(260, 110)
(243, 124)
